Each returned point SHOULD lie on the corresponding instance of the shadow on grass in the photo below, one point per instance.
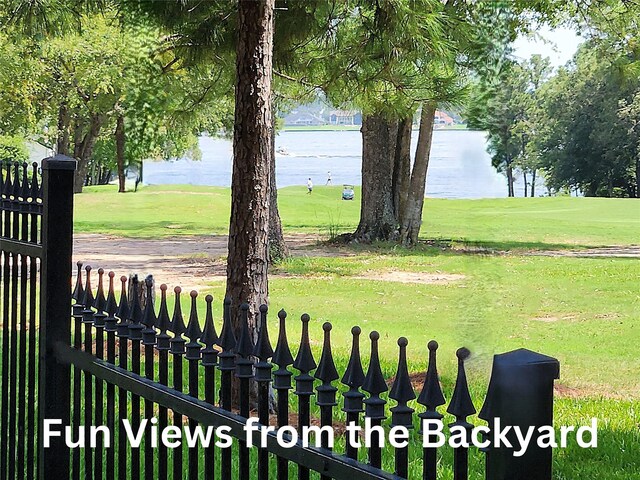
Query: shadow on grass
(436, 246)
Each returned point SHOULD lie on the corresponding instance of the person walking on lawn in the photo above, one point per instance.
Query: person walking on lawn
(309, 186)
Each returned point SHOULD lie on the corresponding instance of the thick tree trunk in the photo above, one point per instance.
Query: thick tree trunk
(402, 167)
(252, 138)
(377, 217)
(277, 246)
(533, 183)
(510, 190)
(84, 150)
(412, 215)
(62, 144)
(120, 148)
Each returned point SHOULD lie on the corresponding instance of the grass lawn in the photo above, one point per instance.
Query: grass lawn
(583, 311)
(168, 210)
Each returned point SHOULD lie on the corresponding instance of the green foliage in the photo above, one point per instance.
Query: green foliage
(588, 137)
(13, 149)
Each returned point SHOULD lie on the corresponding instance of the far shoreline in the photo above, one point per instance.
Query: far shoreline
(354, 128)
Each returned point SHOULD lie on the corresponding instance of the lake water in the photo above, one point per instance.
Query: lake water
(459, 166)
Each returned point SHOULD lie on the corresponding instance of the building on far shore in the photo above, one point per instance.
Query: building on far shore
(345, 117)
(443, 119)
(303, 118)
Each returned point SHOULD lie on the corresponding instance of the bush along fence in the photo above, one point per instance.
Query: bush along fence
(107, 356)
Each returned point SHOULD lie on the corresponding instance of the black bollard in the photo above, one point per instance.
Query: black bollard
(520, 394)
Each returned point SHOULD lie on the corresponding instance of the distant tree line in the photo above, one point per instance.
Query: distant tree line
(578, 127)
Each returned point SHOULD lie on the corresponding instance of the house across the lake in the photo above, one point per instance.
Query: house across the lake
(443, 119)
(345, 117)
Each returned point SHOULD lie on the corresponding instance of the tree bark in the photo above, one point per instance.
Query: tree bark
(277, 246)
(402, 167)
(252, 145)
(510, 179)
(412, 216)
(84, 149)
(120, 148)
(533, 183)
(377, 217)
(62, 144)
(526, 189)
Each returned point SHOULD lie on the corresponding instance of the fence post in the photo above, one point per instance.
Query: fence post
(520, 394)
(54, 400)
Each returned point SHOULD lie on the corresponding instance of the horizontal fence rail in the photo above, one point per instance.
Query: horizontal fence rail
(132, 361)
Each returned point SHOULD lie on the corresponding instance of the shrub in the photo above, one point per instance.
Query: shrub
(13, 149)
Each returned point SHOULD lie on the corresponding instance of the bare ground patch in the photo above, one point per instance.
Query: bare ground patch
(400, 276)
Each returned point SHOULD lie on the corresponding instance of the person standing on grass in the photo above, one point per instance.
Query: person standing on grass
(329, 178)
(309, 186)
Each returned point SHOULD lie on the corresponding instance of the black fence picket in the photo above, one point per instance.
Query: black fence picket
(118, 357)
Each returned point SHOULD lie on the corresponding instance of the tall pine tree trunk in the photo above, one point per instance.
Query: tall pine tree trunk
(412, 215)
(277, 247)
(377, 217)
(402, 167)
(120, 139)
(252, 146)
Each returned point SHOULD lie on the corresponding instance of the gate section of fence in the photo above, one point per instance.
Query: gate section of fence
(35, 254)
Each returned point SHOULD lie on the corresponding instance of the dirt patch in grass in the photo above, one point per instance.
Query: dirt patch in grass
(411, 277)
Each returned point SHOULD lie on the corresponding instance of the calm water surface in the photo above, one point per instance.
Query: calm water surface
(459, 167)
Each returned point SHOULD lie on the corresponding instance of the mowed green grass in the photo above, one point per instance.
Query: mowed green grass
(160, 211)
(583, 311)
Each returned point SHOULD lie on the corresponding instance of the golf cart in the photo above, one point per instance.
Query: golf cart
(347, 192)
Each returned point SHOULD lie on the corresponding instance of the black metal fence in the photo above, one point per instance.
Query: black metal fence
(124, 360)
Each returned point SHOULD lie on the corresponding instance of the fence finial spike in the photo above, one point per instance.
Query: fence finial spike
(177, 321)
(262, 349)
(112, 304)
(164, 322)
(135, 315)
(35, 188)
(24, 186)
(461, 405)
(282, 355)
(149, 315)
(100, 301)
(209, 335)
(402, 390)
(78, 291)
(123, 307)
(16, 180)
(88, 299)
(354, 375)
(326, 370)
(244, 348)
(193, 331)
(304, 359)
(227, 340)
(374, 380)
(431, 395)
